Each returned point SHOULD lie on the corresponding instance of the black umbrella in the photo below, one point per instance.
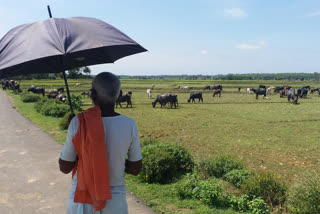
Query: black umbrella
(59, 44)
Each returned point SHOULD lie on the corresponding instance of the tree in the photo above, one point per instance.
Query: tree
(86, 70)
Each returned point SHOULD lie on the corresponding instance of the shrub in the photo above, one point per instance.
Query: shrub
(237, 176)
(267, 186)
(304, 196)
(211, 192)
(218, 166)
(63, 124)
(76, 102)
(148, 141)
(243, 204)
(53, 108)
(27, 97)
(158, 165)
(38, 105)
(185, 189)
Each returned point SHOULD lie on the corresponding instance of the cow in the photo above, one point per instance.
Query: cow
(207, 87)
(216, 87)
(78, 84)
(307, 87)
(269, 90)
(52, 94)
(262, 86)
(278, 89)
(149, 93)
(248, 91)
(163, 99)
(292, 96)
(195, 95)
(239, 89)
(37, 90)
(153, 85)
(283, 93)
(217, 92)
(259, 91)
(186, 88)
(85, 93)
(60, 89)
(61, 98)
(302, 92)
(124, 98)
(314, 90)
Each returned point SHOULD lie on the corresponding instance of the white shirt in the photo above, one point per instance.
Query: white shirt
(122, 140)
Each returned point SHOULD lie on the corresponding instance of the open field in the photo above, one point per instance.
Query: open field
(268, 134)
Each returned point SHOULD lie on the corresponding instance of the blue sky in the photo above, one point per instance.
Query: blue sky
(196, 36)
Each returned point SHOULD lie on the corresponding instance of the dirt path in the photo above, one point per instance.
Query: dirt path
(30, 181)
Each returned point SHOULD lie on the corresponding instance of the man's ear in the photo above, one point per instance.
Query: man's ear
(120, 94)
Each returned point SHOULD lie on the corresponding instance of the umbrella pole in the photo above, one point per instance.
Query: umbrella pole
(68, 93)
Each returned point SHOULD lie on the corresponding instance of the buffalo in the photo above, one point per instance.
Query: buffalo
(37, 90)
(292, 96)
(216, 87)
(260, 91)
(124, 98)
(163, 99)
(195, 95)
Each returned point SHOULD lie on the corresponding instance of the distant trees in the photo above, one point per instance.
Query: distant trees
(79, 73)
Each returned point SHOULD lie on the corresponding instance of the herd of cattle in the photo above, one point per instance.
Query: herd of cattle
(172, 99)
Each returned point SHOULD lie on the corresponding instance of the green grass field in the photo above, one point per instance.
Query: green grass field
(267, 134)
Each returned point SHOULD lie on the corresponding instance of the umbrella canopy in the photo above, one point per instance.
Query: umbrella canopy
(58, 44)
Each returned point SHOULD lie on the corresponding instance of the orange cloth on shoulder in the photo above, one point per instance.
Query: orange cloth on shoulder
(93, 185)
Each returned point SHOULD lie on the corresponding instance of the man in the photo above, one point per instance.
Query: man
(98, 184)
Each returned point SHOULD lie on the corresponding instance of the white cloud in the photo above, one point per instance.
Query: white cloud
(261, 45)
(314, 13)
(204, 52)
(235, 13)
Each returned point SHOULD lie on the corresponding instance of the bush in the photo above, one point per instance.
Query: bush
(304, 196)
(76, 102)
(158, 165)
(267, 186)
(38, 105)
(27, 97)
(243, 204)
(53, 108)
(185, 189)
(148, 141)
(63, 124)
(218, 166)
(237, 176)
(211, 192)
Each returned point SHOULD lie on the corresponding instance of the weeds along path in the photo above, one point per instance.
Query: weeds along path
(30, 180)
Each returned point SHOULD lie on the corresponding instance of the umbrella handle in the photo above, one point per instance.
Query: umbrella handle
(68, 93)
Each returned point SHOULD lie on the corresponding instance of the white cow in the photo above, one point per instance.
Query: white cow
(248, 91)
(186, 88)
(149, 93)
(269, 90)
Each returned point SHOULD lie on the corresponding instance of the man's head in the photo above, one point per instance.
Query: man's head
(105, 89)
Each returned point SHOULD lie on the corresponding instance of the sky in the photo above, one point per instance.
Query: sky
(207, 37)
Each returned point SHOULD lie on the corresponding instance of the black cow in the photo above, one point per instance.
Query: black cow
(216, 87)
(314, 90)
(37, 90)
(259, 91)
(302, 92)
(163, 99)
(60, 89)
(292, 96)
(207, 87)
(278, 89)
(124, 98)
(307, 87)
(52, 94)
(262, 86)
(195, 95)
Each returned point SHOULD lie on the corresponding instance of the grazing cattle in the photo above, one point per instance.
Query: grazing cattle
(163, 99)
(302, 92)
(278, 89)
(37, 90)
(207, 87)
(178, 87)
(216, 87)
(239, 89)
(292, 96)
(262, 86)
(5, 84)
(85, 93)
(307, 87)
(248, 91)
(60, 89)
(186, 88)
(195, 95)
(217, 92)
(61, 98)
(52, 94)
(149, 93)
(283, 93)
(124, 98)
(314, 90)
(78, 84)
(260, 91)
(269, 90)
